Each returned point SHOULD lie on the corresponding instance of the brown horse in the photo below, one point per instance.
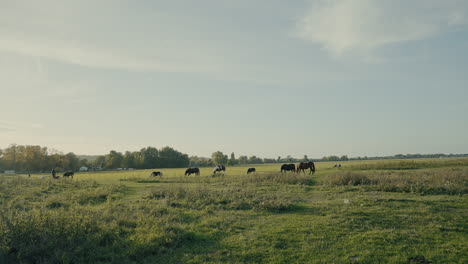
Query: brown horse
(68, 174)
(306, 165)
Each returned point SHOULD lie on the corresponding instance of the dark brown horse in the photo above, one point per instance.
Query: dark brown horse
(251, 170)
(195, 171)
(306, 165)
(156, 173)
(68, 174)
(288, 167)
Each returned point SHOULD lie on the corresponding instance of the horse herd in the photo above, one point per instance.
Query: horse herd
(221, 169)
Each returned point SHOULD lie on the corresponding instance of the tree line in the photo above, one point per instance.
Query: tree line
(40, 159)
(36, 159)
(32, 158)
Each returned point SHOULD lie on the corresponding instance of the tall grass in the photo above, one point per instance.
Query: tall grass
(84, 236)
(452, 181)
(281, 178)
(228, 198)
(64, 221)
(411, 164)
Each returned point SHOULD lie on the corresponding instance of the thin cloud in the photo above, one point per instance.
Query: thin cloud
(343, 26)
(8, 126)
(79, 54)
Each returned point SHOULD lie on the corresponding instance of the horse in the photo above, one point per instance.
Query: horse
(306, 165)
(219, 168)
(338, 165)
(156, 173)
(250, 170)
(68, 174)
(288, 167)
(189, 171)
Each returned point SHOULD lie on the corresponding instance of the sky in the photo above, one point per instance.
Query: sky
(267, 78)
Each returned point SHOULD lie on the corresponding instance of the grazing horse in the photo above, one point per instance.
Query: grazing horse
(156, 173)
(249, 170)
(68, 174)
(338, 165)
(306, 165)
(219, 168)
(288, 167)
(189, 171)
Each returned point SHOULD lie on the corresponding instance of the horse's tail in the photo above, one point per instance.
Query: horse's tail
(312, 167)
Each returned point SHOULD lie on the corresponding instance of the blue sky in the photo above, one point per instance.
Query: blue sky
(267, 78)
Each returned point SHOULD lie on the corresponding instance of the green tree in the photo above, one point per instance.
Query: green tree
(129, 160)
(149, 158)
(232, 161)
(2, 165)
(219, 158)
(84, 162)
(344, 158)
(113, 160)
(99, 161)
(10, 156)
(255, 160)
(200, 162)
(72, 161)
(243, 160)
(171, 158)
(331, 158)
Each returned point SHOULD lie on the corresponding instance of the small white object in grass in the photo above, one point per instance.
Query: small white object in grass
(346, 201)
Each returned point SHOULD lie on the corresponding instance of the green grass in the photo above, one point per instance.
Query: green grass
(364, 212)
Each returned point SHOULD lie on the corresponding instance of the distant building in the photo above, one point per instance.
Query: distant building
(9, 172)
(83, 168)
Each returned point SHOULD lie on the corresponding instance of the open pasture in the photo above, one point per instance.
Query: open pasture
(393, 211)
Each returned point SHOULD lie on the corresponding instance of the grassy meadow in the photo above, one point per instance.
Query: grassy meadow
(392, 211)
